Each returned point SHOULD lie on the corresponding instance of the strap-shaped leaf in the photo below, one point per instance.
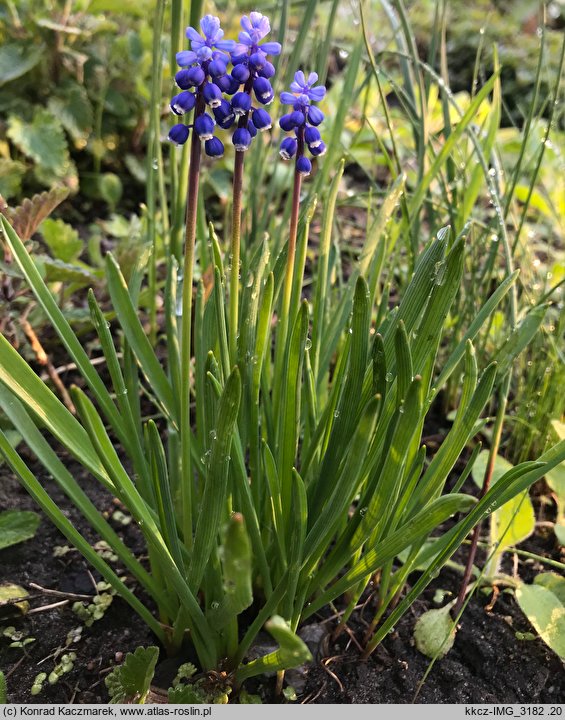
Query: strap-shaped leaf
(511, 484)
(461, 432)
(199, 627)
(290, 406)
(61, 326)
(18, 416)
(56, 516)
(137, 339)
(389, 479)
(20, 379)
(414, 530)
(520, 338)
(162, 494)
(213, 503)
(404, 369)
(341, 495)
(237, 565)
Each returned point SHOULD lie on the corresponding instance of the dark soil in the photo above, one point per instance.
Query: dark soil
(487, 664)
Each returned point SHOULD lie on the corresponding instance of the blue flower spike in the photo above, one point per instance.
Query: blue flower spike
(203, 79)
(303, 121)
(252, 69)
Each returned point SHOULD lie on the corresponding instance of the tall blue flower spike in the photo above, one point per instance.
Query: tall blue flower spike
(252, 69)
(203, 79)
(303, 120)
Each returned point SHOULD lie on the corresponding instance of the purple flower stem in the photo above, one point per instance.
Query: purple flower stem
(236, 236)
(294, 213)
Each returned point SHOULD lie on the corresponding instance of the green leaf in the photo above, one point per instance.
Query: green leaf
(110, 188)
(556, 480)
(214, 497)
(16, 60)
(11, 174)
(17, 375)
(131, 681)
(38, 493)
(546, 613)
(237, 573)
(42, 140)
(434, 632)
(136, 337)
(514, 521)
(74, 109)
(291, 653)
(17, 526)
(552, 582)
(61, 239)
(186, 695)
(519, 339)
(59, 271)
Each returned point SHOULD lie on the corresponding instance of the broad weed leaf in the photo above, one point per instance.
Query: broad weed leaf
(434, 633)
(26, 218)
(74, 109)
(17, 526)
(130, 682)
(43, 140)
(556, 480)
(546, 613)
(514, 521)
(17, 60)
(11, 174)
(62, 239)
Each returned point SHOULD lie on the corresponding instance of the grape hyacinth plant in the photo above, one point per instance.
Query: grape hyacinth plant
(277, 463)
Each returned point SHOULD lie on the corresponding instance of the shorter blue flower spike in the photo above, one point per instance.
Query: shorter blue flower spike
(214, 147)
(241, 139)
(303, 120)
(241, 103)
(183, 102)
(225, 116)
(317, 150)
(261, 119)
(204, 127)
(288, 148)
(178, 134)
(303, 165)
(212, 95)
(263, 90)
